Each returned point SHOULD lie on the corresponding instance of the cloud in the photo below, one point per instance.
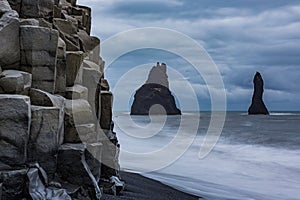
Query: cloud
(241, 36)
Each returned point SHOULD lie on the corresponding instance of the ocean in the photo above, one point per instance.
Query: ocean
(255, 158)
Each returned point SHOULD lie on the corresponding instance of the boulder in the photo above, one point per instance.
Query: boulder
(14, 128)
(74, 61)
(44, 137)
(258, 106)
(76, 92)
(155, 95)
(9, 34)
(106, 109)
(13, 183)
(15, 82)
(37, 8)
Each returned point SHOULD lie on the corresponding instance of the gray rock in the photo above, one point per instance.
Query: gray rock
(78, 112)
(37, 8)
(15, 82)
(106, 109)
(13, 183)
(15, 5)
(104, 85)
(9, 34)
(86, 19)
(56, 11)
(14, 128)
(158, 75)
(38, 55)
(39, 39)
(61, 77)
(61, 64)
(30, 22)
(44, 137)
(76, 92)
(61, 51)
(93, 157)
(74, 61)
(72, 166)
(80, 133)
(44, 99)
(65, 26)
(91, 64)
(109, 159)
(90, 79)
(89, 43)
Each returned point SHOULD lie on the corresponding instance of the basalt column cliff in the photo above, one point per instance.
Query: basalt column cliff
(258, 106)
(154, 96)
(56, 128)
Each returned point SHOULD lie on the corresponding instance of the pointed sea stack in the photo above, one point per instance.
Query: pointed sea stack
(258, 107)
(155, 95)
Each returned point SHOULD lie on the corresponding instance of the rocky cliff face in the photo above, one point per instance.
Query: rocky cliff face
(154, 96)
(56, 128)
(258, 106)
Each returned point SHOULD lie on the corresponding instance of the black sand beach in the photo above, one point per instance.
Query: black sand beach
(142, 188)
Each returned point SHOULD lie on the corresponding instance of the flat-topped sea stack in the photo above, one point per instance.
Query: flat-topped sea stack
(154, 96)
(258, 107)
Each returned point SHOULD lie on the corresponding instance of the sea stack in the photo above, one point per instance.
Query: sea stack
(258, 107)
(154, 96)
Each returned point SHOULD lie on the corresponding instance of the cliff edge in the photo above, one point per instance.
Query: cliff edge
(56, 129)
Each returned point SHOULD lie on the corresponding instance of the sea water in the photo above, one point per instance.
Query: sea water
(256, 157)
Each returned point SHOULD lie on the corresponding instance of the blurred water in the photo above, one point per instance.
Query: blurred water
(257, 157)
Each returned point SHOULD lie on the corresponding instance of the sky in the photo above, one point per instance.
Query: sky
(240, 36)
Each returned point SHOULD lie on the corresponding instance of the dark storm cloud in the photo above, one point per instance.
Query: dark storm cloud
(242, 37)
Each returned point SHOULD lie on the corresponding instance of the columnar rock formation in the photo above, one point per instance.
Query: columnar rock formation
(154, 96)
(257, 105)
(56, 128)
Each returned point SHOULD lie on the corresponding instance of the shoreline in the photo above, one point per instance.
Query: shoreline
(139, 187)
